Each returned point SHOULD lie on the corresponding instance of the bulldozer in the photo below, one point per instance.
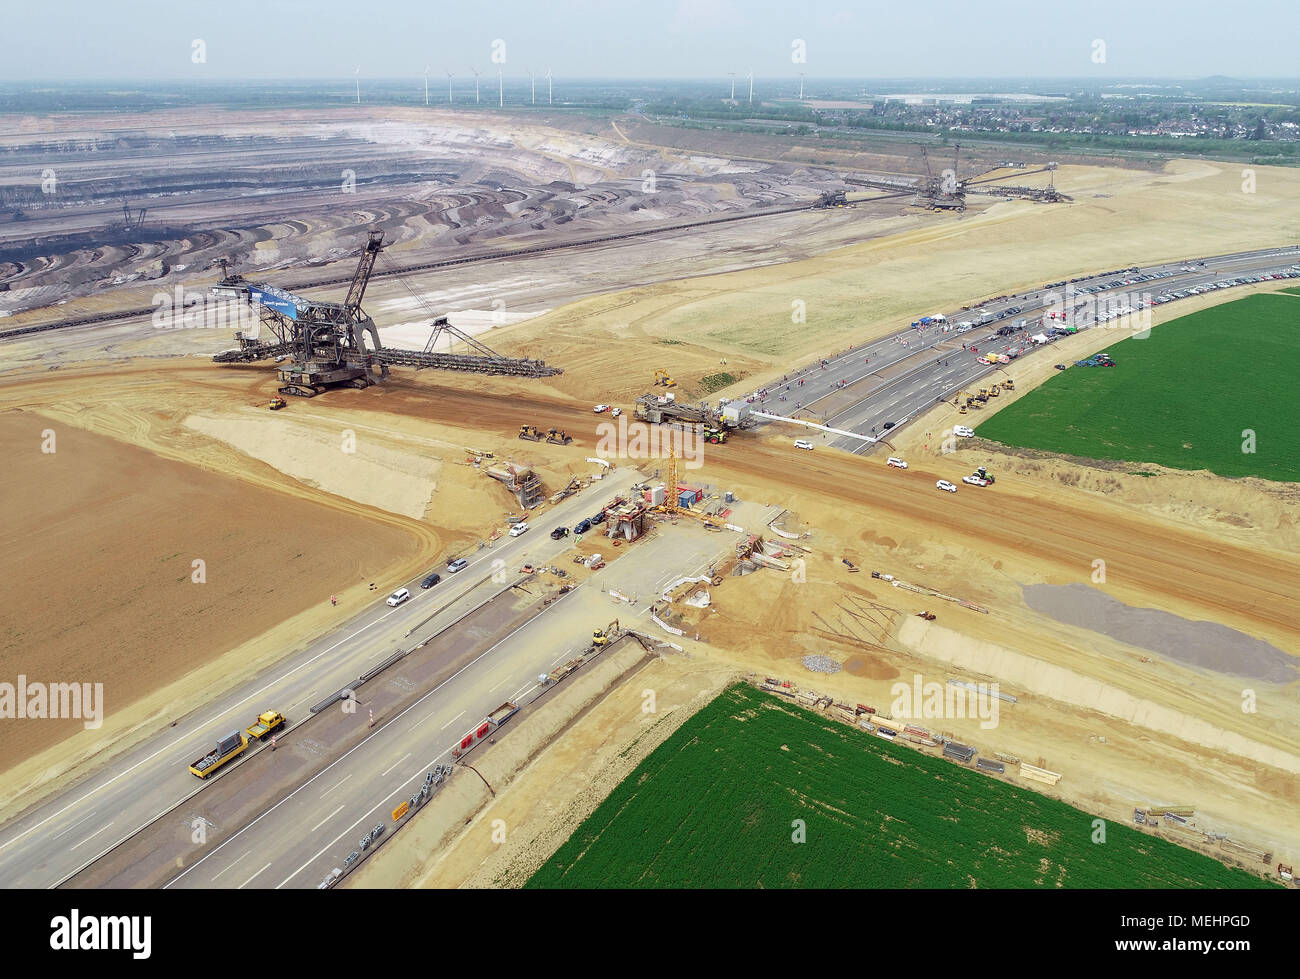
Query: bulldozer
(663, 380)
(983, 395)
(994, 391)
(531, 433)
(559, 437)
(600, 638)
(277, 403)
(1009, 384)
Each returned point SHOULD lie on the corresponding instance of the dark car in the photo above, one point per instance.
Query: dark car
(1060, 367)
(887, 426)
(430, 581)
(559, 532)
(583, 527)
(598, 518)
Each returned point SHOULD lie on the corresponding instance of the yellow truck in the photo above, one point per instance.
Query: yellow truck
(227, 750)
(268, 722)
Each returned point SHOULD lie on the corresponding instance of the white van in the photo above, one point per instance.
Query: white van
(803, 444)
(963, 431)
(398, 597)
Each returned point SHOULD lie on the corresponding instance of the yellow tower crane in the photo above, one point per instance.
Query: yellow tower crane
(672, 477)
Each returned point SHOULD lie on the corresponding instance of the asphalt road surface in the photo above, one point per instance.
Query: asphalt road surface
(895, 378)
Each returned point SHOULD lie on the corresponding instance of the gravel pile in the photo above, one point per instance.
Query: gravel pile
(821, 664)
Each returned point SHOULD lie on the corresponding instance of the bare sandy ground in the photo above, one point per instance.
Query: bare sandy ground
(101, 543)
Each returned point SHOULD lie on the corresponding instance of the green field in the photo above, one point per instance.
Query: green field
(1181, 397)
(715, 804)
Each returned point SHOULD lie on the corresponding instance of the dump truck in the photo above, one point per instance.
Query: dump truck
(562, 672)
(227, 750)
(268, 722)
(502, 714)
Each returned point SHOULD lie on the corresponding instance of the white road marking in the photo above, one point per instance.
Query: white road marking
(321, 823)
(232, 866)
(72, 827)
(336, 785)
(394, 764)
(245, 884)
(452, 721)
(90, 837)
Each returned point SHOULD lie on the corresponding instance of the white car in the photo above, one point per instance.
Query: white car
(519, 528)
(803, 444)
(963, 431)
(975, 480)
(616, 412)
(943, 484)
(896, 463)
(398, 597)
(601, 409)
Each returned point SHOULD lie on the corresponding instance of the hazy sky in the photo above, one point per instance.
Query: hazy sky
(153, 39)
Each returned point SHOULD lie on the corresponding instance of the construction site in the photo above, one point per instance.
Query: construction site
(482, 486)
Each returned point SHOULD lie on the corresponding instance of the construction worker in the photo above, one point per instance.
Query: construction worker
(333, 600)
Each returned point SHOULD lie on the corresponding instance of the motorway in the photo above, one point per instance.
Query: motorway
(77, 825)
(104, 830)
(311, 830)
(896, 378)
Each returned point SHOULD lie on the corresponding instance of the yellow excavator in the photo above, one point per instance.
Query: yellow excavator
(663, 380)
(601, 638)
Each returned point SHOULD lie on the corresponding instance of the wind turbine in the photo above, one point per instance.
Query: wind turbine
(532, 75)
(501, 99)
(751, 86)
(475, 71)
(358, 74)
(548, 86)
(449, 77)
(733, 85)
(426, 85)
(801, 85)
